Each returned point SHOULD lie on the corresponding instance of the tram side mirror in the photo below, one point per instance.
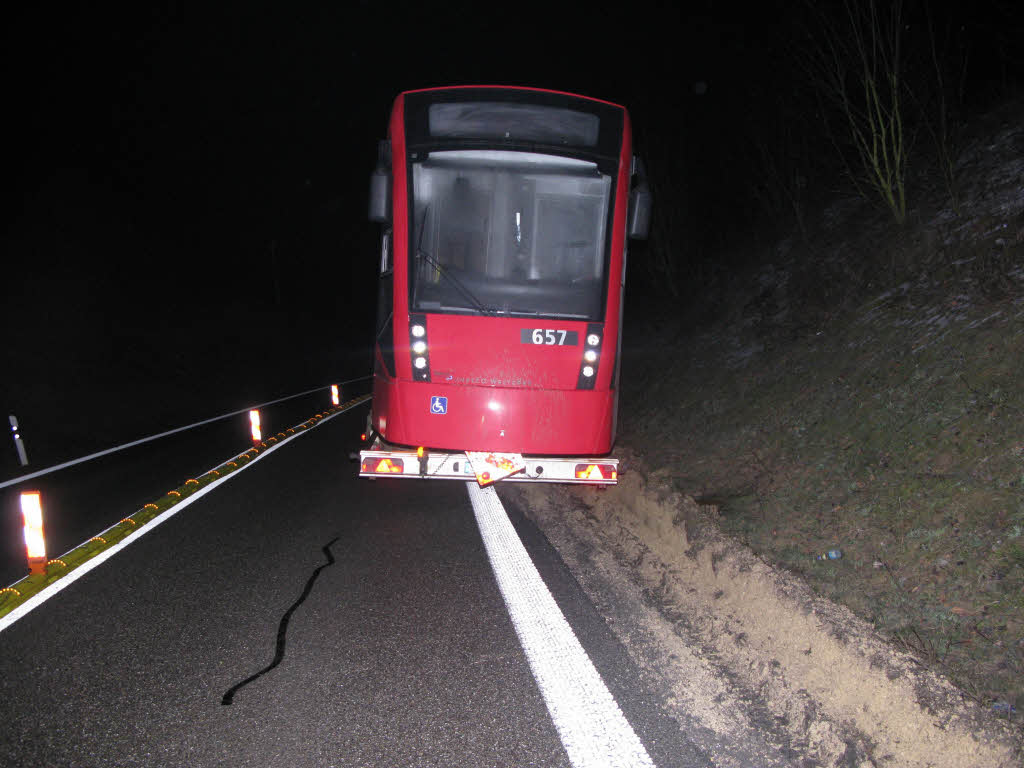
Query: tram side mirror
(638, 221)
(380, 186)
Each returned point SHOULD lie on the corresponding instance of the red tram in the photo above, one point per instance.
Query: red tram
(505, 215)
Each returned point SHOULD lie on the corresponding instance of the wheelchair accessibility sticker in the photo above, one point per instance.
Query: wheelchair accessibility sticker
(439, 405)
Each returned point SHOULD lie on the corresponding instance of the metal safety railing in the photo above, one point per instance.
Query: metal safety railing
(133, 443)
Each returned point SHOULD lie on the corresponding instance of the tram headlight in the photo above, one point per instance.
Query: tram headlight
(419, 348)
(591, 357)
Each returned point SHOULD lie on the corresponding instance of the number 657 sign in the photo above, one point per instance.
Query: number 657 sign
(550, 337)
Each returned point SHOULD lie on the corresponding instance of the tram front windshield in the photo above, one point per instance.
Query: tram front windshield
(508, 233)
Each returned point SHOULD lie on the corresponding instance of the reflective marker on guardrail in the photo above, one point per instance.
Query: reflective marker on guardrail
(254, 421)
(335, 395)
(19, 444)
(133, 443)
(35, 541)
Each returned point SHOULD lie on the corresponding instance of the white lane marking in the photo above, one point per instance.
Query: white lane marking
(41, 597)
(592, 728)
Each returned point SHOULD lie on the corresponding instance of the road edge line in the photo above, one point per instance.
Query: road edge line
(589, 722)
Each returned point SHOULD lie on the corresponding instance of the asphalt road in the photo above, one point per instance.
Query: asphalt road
(300, 616)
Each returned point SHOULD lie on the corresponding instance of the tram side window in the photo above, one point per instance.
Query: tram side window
(385, 304)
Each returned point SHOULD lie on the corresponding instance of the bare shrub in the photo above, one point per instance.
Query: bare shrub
(855, 58)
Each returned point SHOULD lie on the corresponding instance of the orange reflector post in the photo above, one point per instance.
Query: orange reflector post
(595, 472)
(254, 420)
(35, 541)
(335, 394)
(383, 466)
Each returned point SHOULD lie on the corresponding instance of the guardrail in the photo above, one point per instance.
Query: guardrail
(115, 449)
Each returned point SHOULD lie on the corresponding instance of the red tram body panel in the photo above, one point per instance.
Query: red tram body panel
(506, 213)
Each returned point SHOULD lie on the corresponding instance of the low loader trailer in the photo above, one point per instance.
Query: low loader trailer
(484, 467)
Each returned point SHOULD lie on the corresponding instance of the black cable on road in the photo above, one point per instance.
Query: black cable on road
(282, 628)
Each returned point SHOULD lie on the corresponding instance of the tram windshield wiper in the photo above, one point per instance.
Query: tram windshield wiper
(466, 293)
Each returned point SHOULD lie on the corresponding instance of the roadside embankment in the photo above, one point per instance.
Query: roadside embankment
(748, 652)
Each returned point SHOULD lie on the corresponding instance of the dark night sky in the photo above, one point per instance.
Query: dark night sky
(180, 143)
(188, 185)
(177, 168)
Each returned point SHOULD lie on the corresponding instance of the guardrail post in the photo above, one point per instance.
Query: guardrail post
(35, 541)
(19, 445)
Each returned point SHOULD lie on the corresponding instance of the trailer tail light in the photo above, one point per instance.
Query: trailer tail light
(383, 466)
(596, 472)
(419, 349)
